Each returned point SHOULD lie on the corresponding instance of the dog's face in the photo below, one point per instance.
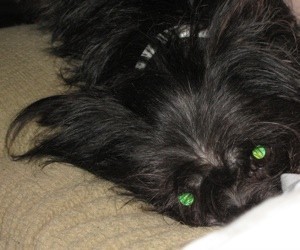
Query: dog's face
(228, 155)
(203, 130)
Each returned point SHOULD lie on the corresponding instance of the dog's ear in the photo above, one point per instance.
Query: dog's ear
(244, 22)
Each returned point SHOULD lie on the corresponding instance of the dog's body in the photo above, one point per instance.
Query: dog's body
(172, 97)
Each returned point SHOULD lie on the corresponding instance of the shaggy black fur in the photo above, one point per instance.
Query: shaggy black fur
(188, 120)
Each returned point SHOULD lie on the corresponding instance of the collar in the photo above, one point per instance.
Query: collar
(182, 31)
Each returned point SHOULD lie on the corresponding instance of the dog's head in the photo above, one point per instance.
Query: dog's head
(225, 113)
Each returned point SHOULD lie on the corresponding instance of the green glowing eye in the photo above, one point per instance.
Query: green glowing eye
(259, 152)
(186, 199)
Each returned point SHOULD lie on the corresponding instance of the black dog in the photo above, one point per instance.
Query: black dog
(192, 106)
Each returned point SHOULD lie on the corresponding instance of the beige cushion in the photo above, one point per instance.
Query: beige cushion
(60, 206)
